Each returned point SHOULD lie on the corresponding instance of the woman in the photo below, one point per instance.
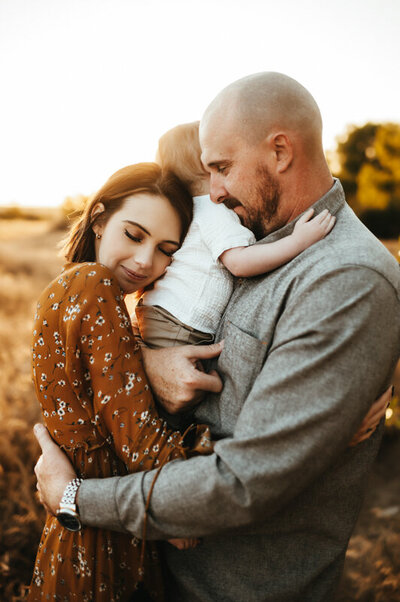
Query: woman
(89, 378)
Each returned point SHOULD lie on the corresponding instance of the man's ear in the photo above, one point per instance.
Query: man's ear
(282, 149)
(97, 225)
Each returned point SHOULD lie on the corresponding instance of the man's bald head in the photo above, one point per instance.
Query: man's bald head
(259, 104)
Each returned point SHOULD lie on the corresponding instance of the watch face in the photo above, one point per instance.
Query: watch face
(69, 520)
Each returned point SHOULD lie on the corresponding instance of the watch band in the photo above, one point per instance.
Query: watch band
(69, 495)
(67, 514)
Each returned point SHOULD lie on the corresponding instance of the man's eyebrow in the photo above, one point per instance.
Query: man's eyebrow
(128, 221)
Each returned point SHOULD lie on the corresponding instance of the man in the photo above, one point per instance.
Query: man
(307, 349)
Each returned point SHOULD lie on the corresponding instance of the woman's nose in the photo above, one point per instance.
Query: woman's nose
(218, 192)
(144, 257)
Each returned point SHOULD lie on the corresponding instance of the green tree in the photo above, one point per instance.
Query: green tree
(369, 160)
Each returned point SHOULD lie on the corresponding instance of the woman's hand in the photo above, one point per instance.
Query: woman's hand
(184, 543)
(376, 412)
(176, 375)
(53, 470)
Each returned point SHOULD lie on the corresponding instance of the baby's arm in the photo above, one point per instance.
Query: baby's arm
(254, 260)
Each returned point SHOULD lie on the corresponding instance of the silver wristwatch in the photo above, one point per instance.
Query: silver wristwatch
(67, 514)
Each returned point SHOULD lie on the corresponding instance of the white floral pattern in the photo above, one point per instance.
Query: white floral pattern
(98, 407)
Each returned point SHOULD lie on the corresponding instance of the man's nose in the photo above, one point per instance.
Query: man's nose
(218, 192)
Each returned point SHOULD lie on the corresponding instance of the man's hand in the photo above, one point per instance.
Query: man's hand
(176, 375)
(53, 470)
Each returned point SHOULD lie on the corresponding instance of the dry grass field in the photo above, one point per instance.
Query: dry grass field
(28, 261)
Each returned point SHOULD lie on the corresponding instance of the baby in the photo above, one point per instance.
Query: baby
(185, 305)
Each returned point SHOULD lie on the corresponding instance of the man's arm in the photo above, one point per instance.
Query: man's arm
(331, 357)
(174, 378)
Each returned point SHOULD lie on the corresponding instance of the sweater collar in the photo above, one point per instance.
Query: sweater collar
(333, 200)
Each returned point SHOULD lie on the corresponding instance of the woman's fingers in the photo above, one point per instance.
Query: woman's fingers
(371, 421)
(378, 409)
(358, 439)
(184, 543)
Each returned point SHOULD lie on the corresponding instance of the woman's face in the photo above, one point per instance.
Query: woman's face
(138, 240)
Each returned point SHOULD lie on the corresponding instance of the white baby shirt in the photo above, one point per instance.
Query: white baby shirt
(196, 286)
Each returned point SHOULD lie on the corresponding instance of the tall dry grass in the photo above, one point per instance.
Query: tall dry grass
(28, 261)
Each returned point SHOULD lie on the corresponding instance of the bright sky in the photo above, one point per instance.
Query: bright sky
(88, 86)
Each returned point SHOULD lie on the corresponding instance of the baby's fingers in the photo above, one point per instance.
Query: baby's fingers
(329, 223)
(306, 217)
(326, 221)
(321, 217)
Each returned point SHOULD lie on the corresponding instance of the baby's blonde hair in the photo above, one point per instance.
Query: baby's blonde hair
(179, 151)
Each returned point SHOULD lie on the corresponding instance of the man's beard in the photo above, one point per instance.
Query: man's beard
(262, 203)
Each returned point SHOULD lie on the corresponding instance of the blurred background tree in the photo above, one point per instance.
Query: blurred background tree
(368, 165)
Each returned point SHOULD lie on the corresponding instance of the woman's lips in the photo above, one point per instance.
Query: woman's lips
(133, 275)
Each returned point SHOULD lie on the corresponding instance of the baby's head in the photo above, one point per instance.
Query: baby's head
(179, 151)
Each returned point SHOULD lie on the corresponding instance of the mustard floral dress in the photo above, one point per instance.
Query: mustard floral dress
(97, 405)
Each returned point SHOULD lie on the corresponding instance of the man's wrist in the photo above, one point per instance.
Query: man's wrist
(97, 503)
(67, 513)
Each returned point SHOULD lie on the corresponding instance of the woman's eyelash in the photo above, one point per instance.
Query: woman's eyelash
(137, 239)
(134, 238)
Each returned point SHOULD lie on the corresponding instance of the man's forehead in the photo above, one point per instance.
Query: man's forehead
(217, 143)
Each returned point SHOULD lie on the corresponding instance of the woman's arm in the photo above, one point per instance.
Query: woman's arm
(254, 260)
(121, 397)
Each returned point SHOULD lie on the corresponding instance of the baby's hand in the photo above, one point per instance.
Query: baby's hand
(307, 231)
(185, 543)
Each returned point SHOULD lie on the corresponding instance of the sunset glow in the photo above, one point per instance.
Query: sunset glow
(90, 85)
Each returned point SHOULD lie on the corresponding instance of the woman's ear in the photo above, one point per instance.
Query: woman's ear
(282, 148)
(97, 225)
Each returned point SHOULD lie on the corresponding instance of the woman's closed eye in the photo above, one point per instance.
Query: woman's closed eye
(167, 252)
(132, 236)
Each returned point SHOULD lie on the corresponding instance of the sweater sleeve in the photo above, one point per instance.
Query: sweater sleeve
(322, 370)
